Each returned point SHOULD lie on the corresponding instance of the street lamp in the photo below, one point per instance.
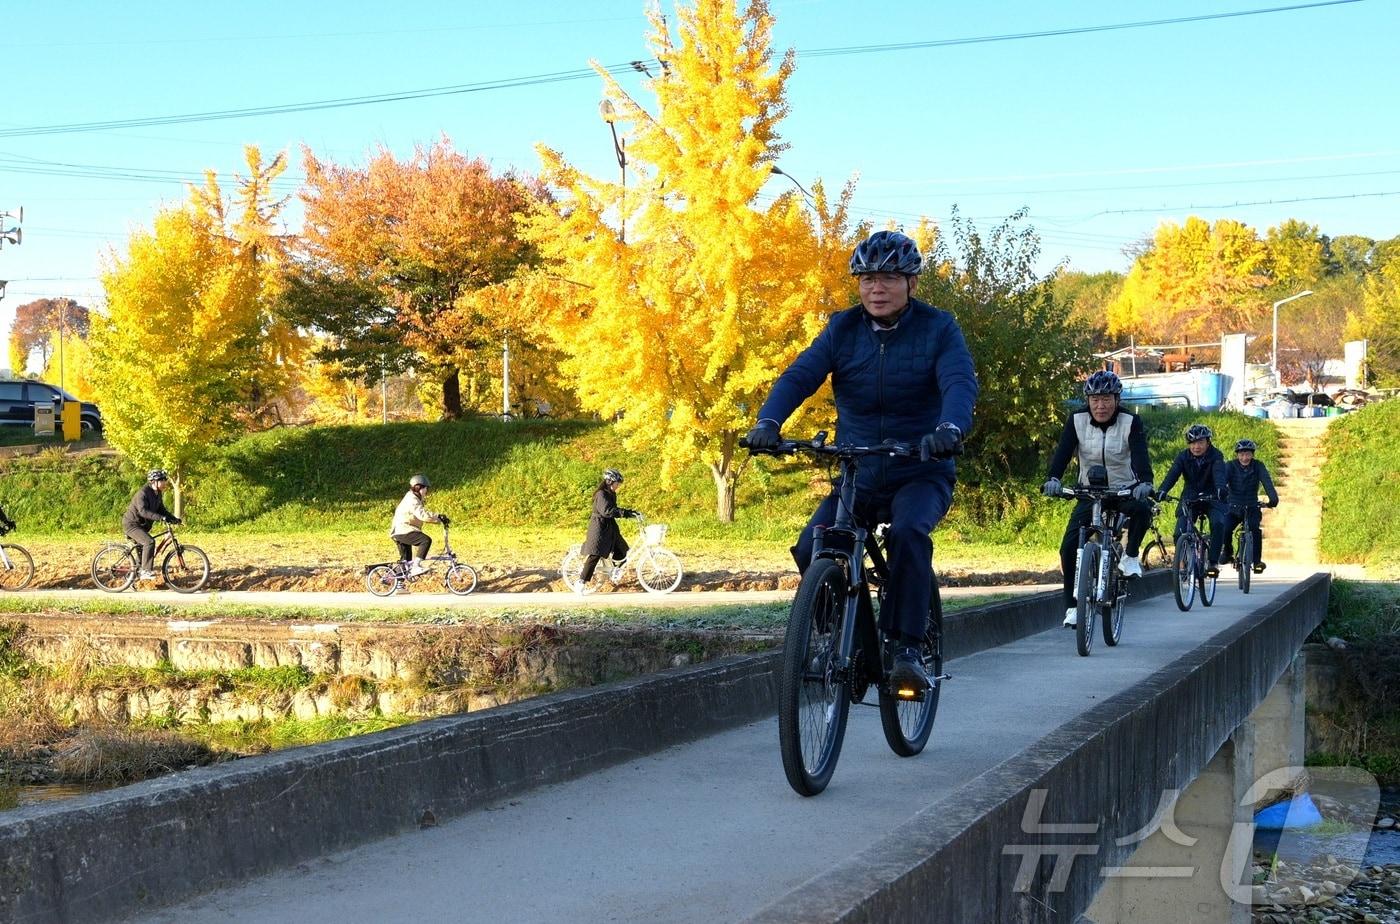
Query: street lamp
(1273, 361)
(608, 111)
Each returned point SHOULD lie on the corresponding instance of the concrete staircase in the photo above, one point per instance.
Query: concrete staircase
(1291, 531)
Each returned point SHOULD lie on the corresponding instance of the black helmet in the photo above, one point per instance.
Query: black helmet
(419, 481)
(1103, 382)
(612, 476)
(1246, 446)
(157, 474)
(1198, 432)
(887, 252)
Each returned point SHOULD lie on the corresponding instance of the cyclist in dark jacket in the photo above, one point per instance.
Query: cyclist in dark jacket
(1103, 434)
(146, 508)
(900, 370)
(1203, 467)
(1243, 479)
(604, 538)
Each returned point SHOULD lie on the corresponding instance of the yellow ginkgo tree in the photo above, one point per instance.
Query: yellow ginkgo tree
(678, 299)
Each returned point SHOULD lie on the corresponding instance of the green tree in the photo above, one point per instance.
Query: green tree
(1298, 254)
(1378, 321)
(1029, 352)
(1087, 296)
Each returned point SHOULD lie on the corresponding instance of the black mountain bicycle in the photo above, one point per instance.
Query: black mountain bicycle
(1193, 558)
(1244, 551)
(116, 565)
(835, 648)
(1099, 587)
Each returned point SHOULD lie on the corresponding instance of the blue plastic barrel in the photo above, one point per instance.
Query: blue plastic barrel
(1210, 389)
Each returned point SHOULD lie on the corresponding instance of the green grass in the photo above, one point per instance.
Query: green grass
(263, 736)
(1359, 611)
(521, 480)
(1361, 488)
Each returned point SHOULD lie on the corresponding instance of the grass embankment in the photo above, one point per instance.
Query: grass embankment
(318, 498)
(1366, 616)
(1360, 488)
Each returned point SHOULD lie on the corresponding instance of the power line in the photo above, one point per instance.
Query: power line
(581, 73)
(1235, 205)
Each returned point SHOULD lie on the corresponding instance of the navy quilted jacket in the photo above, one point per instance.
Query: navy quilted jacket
(898, 384)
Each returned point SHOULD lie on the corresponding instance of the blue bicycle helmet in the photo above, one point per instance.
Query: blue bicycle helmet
(1246, 446)
(1198, 432)
(1103, 382)
(887, 252)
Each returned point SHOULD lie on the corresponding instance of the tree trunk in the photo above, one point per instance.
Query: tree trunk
(726, 477)
(452, 395)
(179, 500)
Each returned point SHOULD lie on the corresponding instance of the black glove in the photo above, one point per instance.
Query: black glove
(627, 512)
(1222, 494)
(175, 520)
(1142, 490)
(764, 436)
(942, 443)
(1272, 503)
(442, 518)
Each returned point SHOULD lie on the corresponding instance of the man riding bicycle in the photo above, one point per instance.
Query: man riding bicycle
(147, 508)
(1103, 434)
(1203, 467)
(407, 528)
(900, 370)
(1244, 477)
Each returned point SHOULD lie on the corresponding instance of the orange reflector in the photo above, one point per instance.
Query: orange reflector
(906, 693)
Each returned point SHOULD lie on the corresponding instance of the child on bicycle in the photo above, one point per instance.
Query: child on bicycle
(407, 528)
(1203, 467)
(604, 538)
(147, 508)
(1243, 479)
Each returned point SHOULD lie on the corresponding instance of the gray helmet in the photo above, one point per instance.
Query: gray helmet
(1198, 432)
(1246, 446)
(612, 475)
(419, 481)
(1103, 382)
(887, 252)
(157, 474)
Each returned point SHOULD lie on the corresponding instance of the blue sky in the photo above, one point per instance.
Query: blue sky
(1102, 135)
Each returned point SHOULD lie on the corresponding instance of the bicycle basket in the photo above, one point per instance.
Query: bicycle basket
(653, 534)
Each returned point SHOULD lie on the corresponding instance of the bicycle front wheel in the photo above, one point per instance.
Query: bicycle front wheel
(382, 580)
(1184, 585)
(908, 723)
(186, 569)
(114, 568)
(460, 579)
(1244, 561)
(814, 697)
(16, 569)
(659, 571)
(1084, 599)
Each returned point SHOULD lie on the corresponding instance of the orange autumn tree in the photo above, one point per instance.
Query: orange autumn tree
(679, 299)
(389, 250)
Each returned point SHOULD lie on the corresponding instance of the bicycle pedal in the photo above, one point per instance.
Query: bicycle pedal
(942, 677)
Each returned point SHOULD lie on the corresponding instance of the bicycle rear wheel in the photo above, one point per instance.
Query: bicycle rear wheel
(659, 571)
(1113, 612)
(186, 569)
(1244, 560)
(570, 569)
(814, 698)
(382, 580)
(460, 579)
(1184, 585)
(17, 574)
(1154, 555)
(908, 723)
(1084, 599)
(114, 568)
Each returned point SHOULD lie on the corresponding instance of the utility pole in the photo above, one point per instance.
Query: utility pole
(383, 392)
(505, 379)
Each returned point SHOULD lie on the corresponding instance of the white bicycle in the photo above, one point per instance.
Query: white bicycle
(658, 569)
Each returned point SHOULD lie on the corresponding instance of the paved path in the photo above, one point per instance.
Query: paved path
(338, 600)
(710, 831)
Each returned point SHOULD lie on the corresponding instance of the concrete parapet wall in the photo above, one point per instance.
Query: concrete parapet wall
(1107, 769)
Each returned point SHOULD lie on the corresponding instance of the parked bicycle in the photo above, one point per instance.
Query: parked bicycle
(16, 564)
(386, 578)
(1193, 558)
(1100, 589)
(658, 569)
(1154, 547)
(1245, 554)
(835, 649)
(185, 568)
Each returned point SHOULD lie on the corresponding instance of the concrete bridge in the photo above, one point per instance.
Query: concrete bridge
(663, 798)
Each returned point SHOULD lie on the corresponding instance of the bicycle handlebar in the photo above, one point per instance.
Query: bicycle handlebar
(1091, 492)
(818, 446)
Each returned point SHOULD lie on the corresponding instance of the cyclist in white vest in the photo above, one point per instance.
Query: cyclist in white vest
(1103, 434)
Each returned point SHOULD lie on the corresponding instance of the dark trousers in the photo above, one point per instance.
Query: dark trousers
(410, 542)
(1234, 518)
(143, 538)
(1217, 524)
(618, 553)
(1139, 518)
(915, 508)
